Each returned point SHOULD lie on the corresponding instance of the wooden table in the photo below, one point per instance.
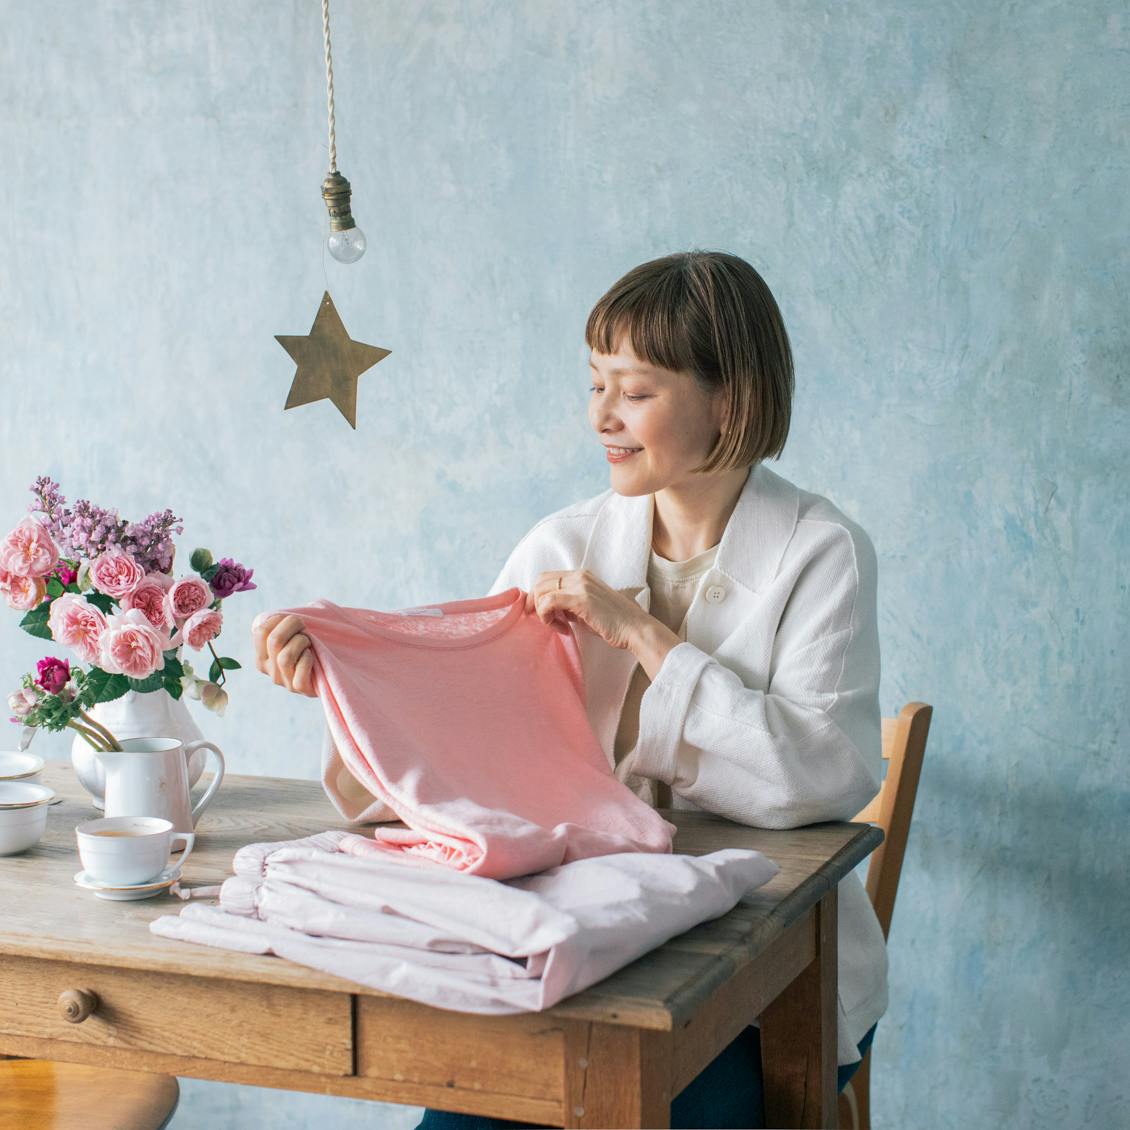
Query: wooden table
(612, 1055)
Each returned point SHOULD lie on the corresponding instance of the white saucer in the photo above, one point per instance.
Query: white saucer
(19, 766)
(125, 892)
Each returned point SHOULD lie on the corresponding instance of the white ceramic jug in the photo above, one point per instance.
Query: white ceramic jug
(137, 714)
(149, 777)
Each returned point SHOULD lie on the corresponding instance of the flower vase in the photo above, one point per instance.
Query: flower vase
(136, 714)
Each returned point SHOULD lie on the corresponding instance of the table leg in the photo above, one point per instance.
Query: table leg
(616, 1076)
(798, 1036)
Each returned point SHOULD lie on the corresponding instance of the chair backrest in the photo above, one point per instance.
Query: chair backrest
(904, 745)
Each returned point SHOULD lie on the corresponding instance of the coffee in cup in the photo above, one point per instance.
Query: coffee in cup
(126, 850)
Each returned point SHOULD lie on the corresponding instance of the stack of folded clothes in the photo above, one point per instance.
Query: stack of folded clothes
(460, 941)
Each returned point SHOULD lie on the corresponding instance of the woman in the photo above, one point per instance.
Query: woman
(726, 619)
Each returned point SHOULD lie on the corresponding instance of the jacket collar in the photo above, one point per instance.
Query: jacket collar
(753, 542)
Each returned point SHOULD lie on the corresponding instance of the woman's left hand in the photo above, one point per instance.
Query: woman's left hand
(581, 596)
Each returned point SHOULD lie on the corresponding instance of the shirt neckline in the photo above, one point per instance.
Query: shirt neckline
(513, 596)
(687, 569)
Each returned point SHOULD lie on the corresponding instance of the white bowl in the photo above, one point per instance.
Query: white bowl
(19, 766)
(23, 814)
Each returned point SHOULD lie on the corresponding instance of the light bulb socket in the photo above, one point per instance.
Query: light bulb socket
(336, 193)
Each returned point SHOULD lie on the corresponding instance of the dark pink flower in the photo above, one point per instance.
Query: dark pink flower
(53, 674)
(230, 577)
(66, 575)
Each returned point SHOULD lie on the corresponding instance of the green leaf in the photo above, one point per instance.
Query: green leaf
(72, 587)
(35, 622)
(174, 687)
(153, 683)
(214, 672)
(101, 601)
(105, 687)
(55, 587)
(229, 664)
(172, 669)
(54, 714)
(210, 572)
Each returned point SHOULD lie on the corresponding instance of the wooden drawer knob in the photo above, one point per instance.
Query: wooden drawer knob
(77, 1004)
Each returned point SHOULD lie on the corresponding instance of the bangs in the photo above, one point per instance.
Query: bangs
(648, 313)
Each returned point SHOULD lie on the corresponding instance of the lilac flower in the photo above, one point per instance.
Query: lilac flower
(50, 503)
(230, 577)
(89, 530)
(150, 541)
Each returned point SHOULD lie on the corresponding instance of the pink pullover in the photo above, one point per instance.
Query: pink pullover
(467, 719)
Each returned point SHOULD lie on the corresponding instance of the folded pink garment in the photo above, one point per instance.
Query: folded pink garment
(460, 941)
(467, 719)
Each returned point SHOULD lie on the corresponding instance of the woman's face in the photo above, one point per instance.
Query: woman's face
(663, 415)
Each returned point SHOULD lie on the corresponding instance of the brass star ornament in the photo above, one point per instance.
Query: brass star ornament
(329, 362)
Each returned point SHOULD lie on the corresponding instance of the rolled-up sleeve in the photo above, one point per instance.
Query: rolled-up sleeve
(807, 748)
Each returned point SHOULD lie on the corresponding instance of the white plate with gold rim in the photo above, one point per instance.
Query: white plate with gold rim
(19, 766)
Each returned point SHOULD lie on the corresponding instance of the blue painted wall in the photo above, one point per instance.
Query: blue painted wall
(935, 192)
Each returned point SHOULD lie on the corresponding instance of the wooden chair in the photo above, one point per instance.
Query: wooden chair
(39, 1094)
(904, 745)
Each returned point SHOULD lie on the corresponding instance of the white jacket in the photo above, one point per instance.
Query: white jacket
(769, 713)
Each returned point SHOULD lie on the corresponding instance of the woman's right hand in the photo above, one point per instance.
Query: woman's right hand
(283, 651)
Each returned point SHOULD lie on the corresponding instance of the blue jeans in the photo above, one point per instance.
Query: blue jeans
(726, 1093)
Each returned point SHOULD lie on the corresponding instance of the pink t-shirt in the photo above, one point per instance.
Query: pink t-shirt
(467, 719)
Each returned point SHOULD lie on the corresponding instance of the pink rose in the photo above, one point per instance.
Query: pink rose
(132, 646)
(21, 591)
(202, 626)
(29, 550)
(188, 595)
(149, 596)
(76, 622)
(115, 573)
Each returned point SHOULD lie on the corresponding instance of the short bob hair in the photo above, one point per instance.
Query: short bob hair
(710, 315)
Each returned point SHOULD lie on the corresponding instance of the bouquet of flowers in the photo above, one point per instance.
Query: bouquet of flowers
(104, 587)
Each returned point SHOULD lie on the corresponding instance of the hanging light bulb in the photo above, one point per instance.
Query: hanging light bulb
(346, 241)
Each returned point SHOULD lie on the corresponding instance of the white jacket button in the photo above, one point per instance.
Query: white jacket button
(716, 594)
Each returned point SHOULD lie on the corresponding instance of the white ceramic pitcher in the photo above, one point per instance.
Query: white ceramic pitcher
(149, 777)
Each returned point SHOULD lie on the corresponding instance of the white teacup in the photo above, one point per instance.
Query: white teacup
(128, 849)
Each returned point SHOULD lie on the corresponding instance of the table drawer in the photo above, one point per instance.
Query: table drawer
(207, 1018)
(516, 1055)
